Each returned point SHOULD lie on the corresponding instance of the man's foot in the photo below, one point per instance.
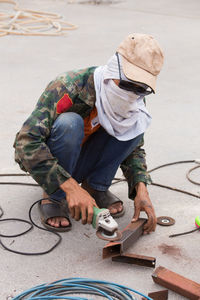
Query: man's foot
(115, 208)
(106, 200)
(55, 221)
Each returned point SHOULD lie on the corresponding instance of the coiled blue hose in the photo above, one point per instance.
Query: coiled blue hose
(62, 289)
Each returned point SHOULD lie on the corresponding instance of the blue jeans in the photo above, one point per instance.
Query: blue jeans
(96, 161)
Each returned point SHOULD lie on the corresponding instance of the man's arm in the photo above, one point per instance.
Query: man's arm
(31, 150)
(142, 202)
(34, 156)
(135, 171)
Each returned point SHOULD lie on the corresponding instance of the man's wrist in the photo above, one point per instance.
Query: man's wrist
(141, 187)
(68, 185)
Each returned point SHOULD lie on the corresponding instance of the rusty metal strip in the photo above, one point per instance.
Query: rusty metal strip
(177, 283)
(135, 259)
(160, 295)
(130, 234)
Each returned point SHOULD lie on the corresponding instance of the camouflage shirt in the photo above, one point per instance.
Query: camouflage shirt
(31, 150)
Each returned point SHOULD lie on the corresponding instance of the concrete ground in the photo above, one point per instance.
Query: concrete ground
(29, 63)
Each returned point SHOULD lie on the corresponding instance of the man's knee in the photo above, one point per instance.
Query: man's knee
(69, 121)
(69, 126)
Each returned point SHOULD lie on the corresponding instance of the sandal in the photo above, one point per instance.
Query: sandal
(104, 199)
(51, 210)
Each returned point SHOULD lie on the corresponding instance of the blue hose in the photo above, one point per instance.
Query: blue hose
(62, 289)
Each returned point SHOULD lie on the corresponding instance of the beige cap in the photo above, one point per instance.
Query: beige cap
(142, 58)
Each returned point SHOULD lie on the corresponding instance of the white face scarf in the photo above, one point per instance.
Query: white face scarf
(122, 103)
(121, 113)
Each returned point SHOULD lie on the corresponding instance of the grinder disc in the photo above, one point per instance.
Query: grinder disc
(107, 236)
(165, 221)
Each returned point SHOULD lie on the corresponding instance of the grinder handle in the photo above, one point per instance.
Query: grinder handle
(96, 211)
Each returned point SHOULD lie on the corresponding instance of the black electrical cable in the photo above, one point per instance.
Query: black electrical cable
(188, 177)
(14, 174)
(183, 233)
(18, 234)
(175, 189)
(117, 180)
(19, 183)
(16, 183)
(171, 164)
(1, 212)
(32, 224)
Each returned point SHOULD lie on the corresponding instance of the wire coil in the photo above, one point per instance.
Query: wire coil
(66, 288)
(32, 23)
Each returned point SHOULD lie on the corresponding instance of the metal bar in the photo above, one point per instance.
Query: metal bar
(130, 234)
(135, 259)
(160, 295)
(177, 283)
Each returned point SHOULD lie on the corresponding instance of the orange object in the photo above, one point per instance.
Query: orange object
(177, 283)
(90, 124)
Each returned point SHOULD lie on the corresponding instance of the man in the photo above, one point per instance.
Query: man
(85, 125)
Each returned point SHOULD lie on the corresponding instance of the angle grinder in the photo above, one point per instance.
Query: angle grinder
(106, 226)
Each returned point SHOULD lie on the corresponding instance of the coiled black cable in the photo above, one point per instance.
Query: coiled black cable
(32, 224)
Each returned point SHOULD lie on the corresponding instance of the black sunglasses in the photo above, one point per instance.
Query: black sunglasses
(131, 86)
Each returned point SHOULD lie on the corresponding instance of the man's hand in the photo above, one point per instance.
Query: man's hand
(142, 202)
(80, 203)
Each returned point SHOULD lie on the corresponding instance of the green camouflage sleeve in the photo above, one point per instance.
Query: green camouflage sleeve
(134, 169)
(31, 151)
(70, 91)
